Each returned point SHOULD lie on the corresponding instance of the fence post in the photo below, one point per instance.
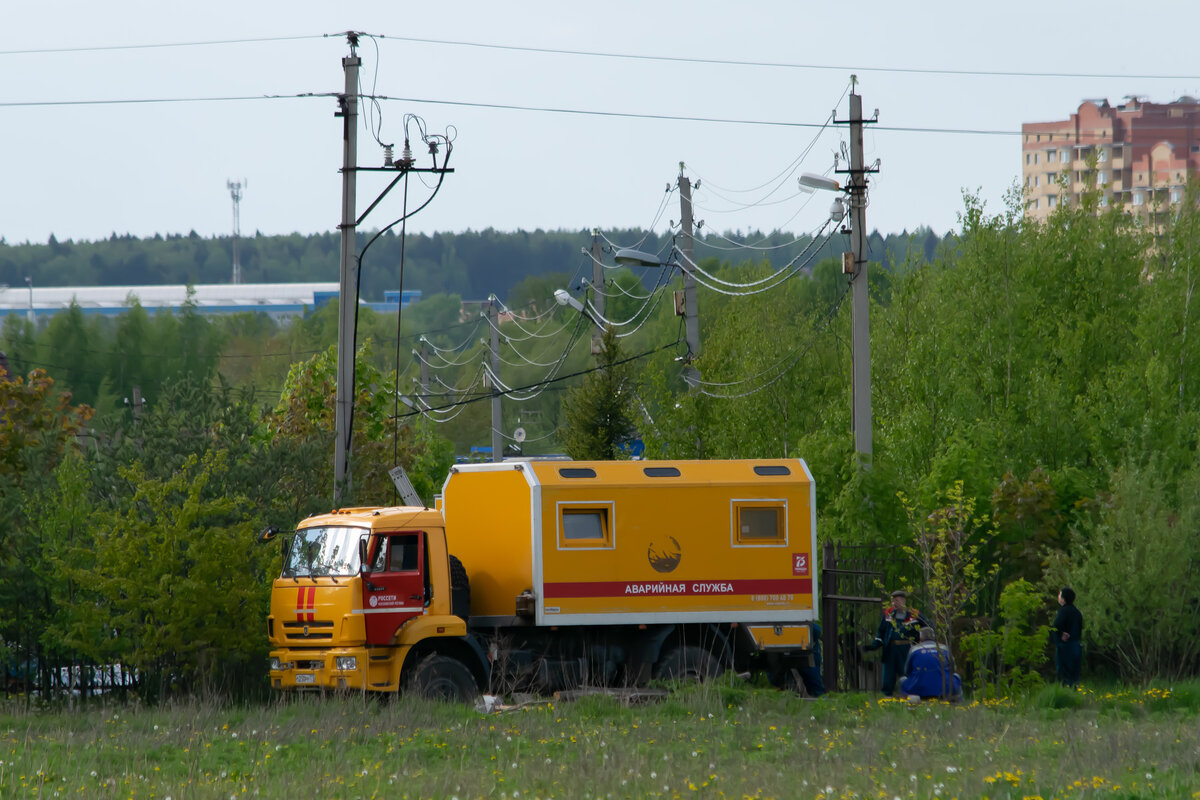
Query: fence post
(830, 655)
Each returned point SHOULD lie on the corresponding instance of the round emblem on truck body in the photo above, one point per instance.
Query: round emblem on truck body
(665, 557)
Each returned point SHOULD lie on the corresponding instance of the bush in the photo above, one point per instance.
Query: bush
(1007, 661)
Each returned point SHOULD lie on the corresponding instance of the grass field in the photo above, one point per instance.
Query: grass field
(723, 740)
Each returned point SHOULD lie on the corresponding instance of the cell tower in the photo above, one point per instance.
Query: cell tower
(235, 191)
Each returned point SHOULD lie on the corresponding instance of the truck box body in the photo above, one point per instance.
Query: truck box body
(636, 542)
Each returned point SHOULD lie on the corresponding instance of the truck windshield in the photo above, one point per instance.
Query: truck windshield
(322, 552)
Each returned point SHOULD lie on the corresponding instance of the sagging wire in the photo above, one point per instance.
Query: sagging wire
(528, 334)
(662, 207)
(523, 357)
(456, 348)
(721, 286)
(446, 362)
(488, 396)
(780, 367)
(782, 177)
(433, 143)
(510, 392)
(373, 119)
(650, 303)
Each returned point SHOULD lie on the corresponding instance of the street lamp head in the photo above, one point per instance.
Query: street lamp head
(564, 298)
(636, 258)
(811, 180)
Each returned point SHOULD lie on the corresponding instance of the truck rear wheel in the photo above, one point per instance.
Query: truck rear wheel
(443, 678)
(687, 662)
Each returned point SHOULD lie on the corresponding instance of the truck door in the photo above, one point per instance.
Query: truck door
(394, 588)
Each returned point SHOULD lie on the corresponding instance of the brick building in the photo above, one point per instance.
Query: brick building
(1139, 154)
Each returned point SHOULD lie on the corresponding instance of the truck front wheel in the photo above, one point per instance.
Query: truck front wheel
(443, 678)
(687, 662)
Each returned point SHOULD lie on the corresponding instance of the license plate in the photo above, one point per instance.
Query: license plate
(306, 679)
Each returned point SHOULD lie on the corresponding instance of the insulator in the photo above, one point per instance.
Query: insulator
(387, 155)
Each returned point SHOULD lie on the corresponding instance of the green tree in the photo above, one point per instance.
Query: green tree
(1136, 569)
(948, 545)
(599, 413)
(184, 585)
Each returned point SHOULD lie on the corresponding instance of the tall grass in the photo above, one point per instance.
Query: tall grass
(720, 740)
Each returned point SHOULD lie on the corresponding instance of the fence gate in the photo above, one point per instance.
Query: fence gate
(854, 581)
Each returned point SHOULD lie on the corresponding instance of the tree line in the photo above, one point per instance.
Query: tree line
(471, 264)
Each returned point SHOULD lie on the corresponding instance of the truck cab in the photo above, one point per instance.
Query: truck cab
(363, 594)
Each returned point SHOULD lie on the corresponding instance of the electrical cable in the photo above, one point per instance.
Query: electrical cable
(358, 281)
(713, 283)
(782, 365)
(786, 65)
(627, 56)
(556, 379)
(399, 317)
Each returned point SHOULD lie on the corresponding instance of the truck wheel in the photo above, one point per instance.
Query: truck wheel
(443, 678)
(460, 590)
(687, 663)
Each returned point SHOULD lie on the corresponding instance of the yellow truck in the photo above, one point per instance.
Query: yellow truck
(556, 574)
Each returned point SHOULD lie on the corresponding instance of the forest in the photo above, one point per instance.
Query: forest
(1035, 417)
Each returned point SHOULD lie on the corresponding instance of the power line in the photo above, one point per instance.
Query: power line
(680, 118)
(155, 100)
(546, 383)
(728, 62)
(497, 106)
(786, 65)
(153, 46)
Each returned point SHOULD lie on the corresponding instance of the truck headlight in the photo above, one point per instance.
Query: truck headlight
(278, 665)
(346, 663)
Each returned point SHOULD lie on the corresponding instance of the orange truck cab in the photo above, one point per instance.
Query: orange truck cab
(556, 574)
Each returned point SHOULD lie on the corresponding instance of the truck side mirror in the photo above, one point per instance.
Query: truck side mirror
(267, 534)
(362, 555)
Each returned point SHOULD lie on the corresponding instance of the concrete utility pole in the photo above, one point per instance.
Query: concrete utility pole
(857, 266)
(597, 289)
(424, 359)
(348, 286)
(497, 421)
(235, 192)
(691, 322)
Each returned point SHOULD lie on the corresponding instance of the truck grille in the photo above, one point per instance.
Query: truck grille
(308, 631)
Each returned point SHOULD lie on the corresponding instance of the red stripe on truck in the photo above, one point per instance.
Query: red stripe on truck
(758, 589)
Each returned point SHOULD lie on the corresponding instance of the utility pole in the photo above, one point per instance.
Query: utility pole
(493, 317)
(857, 267)
(424, 359)
(691, 323)
(235, 191)
(597, 290)
(348, 286)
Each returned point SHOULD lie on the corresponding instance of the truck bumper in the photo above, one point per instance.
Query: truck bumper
(332, 669)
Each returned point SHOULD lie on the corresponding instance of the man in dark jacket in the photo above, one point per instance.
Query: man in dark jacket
(898, 629)
(1067, 631)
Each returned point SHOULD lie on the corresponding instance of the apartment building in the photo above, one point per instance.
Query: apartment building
(1139, 154)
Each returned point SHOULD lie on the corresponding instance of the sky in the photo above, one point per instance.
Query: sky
(626, 91)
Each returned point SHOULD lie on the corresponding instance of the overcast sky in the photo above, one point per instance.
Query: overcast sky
(953, 82)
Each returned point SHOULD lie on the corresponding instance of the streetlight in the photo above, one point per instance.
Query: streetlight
(637, 258)
(564, 298)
